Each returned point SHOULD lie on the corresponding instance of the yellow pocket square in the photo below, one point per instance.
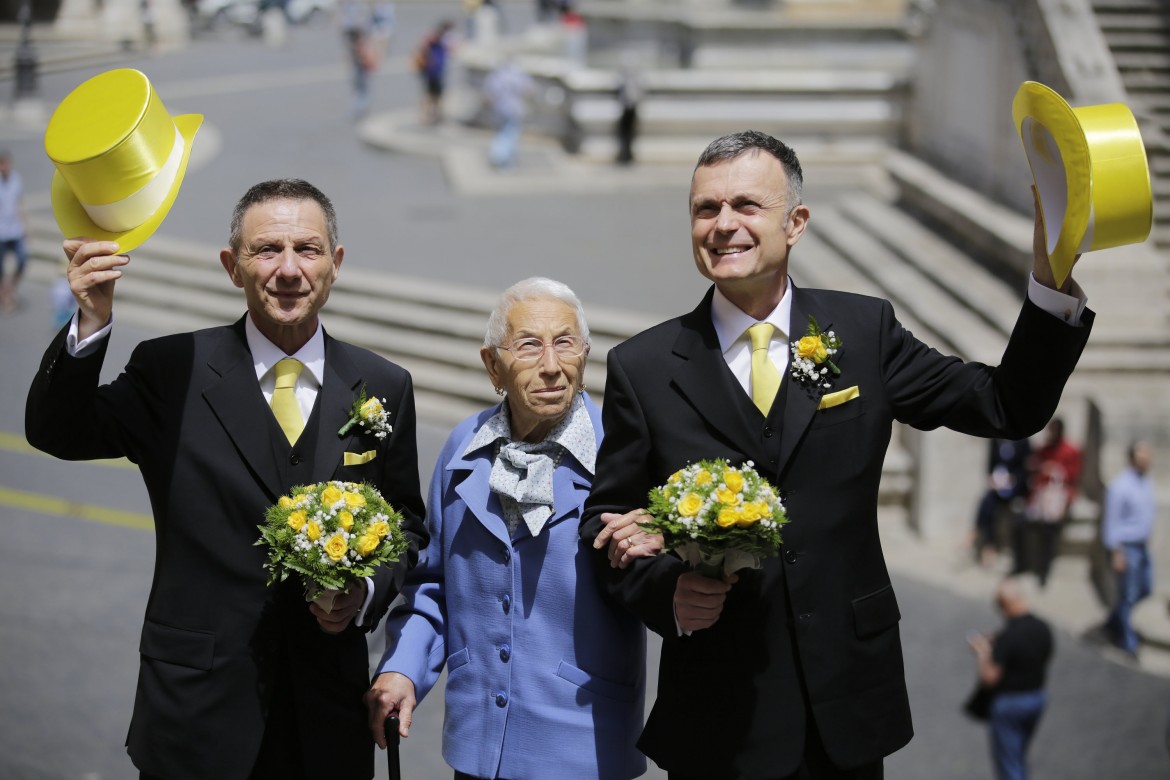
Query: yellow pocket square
(839, 397)
(358, 458)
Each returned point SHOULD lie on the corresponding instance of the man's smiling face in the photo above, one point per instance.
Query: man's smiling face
(741, 228)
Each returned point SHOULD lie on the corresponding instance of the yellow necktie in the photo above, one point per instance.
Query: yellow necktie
(284, 399)
(765, 375)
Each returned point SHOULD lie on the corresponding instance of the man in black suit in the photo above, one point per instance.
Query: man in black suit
(238, 679)
(792, 670)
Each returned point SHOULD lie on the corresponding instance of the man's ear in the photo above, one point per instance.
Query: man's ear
(338, 254)
(227, 259)
(797, 223)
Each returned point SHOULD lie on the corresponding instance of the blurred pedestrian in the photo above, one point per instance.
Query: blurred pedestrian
(1126, 526)
(357, 27)
(1007, 492)
(430, 61)
(12, 230)
(1055, 473)
(507, 89)
(629, 95)
(1014, 664)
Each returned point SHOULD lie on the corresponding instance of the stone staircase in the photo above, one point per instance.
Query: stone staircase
(811, 76)
(1138, 33)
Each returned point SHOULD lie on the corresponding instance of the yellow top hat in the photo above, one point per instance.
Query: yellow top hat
(1089, 167)
(120, 158)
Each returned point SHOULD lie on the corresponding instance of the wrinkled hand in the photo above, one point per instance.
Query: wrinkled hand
(698, 600)
(346, 607)
(1041, 267)
(626, 540)
(392, 693)
(1119, 562)
(93, 269)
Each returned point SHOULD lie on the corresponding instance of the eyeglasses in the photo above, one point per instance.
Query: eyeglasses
(532, 349)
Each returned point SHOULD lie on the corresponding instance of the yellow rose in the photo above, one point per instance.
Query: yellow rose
(726, 497)
(690, 505)
(366, 544)
(675, 477)
(749, 515)
(313, 531)
(727, 517)
(354, 500)
(345, 520)
(330, 495)
(746, 522)
(285, 502)
(703, 477)
(733, 480)
(336, 547)
(380, 529)
(371, 408)
(765, 508)
(296, 520)
(812, 348)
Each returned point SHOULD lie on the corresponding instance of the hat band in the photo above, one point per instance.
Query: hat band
(136, 208)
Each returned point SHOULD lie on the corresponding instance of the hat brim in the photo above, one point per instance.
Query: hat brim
(1058, 156)
(74, 221)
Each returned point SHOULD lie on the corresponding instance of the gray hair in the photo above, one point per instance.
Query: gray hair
(282, 189)
(731, 146)
(531, 289)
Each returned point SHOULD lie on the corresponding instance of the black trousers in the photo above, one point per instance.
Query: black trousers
(815, 765)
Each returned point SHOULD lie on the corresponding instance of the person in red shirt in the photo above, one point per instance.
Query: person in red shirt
(1055, 473)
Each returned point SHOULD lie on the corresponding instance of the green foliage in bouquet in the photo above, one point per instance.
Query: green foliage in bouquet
(331, 533)
(718, 507)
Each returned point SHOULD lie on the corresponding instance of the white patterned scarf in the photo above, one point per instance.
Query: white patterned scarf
(522, 472)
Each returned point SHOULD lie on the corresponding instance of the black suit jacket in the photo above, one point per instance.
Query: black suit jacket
(217, 643)
(820, 622)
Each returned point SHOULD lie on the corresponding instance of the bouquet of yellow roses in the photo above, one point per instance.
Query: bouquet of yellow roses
(717, 517)
(332, 534)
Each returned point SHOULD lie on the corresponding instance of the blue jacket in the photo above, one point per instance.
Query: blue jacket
(539, 667)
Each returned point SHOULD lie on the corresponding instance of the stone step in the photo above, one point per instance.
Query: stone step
(1139, 40)
(1128, 6)
(983, 293)
(1143, 60)
(1113, 20)
(782, 117)
(957, 330)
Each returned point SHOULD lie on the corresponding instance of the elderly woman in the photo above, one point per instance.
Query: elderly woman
(504, 596)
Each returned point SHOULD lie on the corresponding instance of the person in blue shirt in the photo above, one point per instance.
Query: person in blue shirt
(1126, 527)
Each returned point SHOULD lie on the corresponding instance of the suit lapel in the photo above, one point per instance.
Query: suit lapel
(237, 402)
(802, 398)
(342, 383)
(704, 379)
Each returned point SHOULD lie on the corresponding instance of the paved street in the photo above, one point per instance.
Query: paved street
(76, 550)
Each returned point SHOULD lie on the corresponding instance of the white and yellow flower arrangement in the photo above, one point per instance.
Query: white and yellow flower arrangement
(332, 534)
(718, 517)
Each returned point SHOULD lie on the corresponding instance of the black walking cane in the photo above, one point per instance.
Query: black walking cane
(391, 729)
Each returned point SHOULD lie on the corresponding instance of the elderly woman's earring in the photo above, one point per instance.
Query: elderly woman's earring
(582, 390)
(499, 390)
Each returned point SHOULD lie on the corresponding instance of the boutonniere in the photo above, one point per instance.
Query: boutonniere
(369, 414)
(812, 356)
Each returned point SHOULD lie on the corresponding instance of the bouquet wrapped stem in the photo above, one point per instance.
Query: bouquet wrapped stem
(717, 517)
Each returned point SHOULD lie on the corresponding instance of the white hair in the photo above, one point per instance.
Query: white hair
(533, 288)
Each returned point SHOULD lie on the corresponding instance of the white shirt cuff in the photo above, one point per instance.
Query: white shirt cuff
(85, 347)
(1068, 308)
(361, 615)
